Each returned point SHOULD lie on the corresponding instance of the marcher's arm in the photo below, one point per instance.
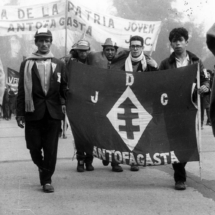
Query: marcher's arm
(204, 80)
(21, 98)
(150, 61)
(20, 121)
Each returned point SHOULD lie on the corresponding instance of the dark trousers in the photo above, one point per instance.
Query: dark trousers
(84, 151)
(179, 171)
(42, 141)
(86, 157)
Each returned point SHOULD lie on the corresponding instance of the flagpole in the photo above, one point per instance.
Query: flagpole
(66, 17)
(199, 121)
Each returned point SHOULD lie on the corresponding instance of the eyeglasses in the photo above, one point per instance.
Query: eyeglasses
(137, 46)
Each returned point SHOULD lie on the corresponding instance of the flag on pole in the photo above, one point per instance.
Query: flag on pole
(134, 118)
(12, 80)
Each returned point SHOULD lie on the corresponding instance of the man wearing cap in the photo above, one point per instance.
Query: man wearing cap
(84, 159)
(40, 108)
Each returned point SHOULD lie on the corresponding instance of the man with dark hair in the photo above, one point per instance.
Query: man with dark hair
(42, 84)
(181, 57)
(82, 48)
(137, 61)
(177, 33)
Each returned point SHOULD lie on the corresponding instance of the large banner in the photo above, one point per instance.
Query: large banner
(27, 19)
(133, 118)
(101, 27)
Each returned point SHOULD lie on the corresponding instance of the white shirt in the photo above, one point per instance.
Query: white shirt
(44, 69)
(183, 63)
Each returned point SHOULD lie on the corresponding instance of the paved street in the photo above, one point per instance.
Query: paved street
(149, 191)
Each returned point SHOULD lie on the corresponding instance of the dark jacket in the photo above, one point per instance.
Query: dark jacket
(119, 62)
(170, 63)
(52, 101)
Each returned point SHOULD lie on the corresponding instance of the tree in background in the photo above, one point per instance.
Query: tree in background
(156, 10)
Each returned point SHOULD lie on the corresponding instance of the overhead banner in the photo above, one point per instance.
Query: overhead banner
(27, 19)
(133, 118)
(100, 27)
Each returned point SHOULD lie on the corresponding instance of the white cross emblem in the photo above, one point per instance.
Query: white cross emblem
(129, 118)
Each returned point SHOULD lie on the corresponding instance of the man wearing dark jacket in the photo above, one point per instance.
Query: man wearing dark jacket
(40, 108)
(178, 38)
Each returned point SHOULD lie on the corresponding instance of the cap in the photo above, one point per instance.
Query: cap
(110, 42)
(82, 45)
(43, 32)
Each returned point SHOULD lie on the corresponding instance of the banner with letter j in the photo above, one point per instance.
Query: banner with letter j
(141, 119)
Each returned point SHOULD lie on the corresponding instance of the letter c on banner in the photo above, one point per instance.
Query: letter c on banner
(94, 99)
(129, 79)
(164, 99)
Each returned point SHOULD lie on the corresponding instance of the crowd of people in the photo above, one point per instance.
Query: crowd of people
(43, 78)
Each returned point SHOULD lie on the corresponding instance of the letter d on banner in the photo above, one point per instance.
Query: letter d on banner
(129, 79)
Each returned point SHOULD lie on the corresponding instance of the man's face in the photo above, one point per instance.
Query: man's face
(43, 44)
(136, 48)
(82, 54)
(109, 52)
(179, 45)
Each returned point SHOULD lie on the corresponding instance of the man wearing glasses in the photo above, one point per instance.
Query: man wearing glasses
(133, 60)
(137, 61)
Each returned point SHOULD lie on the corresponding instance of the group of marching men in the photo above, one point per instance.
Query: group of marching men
(40, 109)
